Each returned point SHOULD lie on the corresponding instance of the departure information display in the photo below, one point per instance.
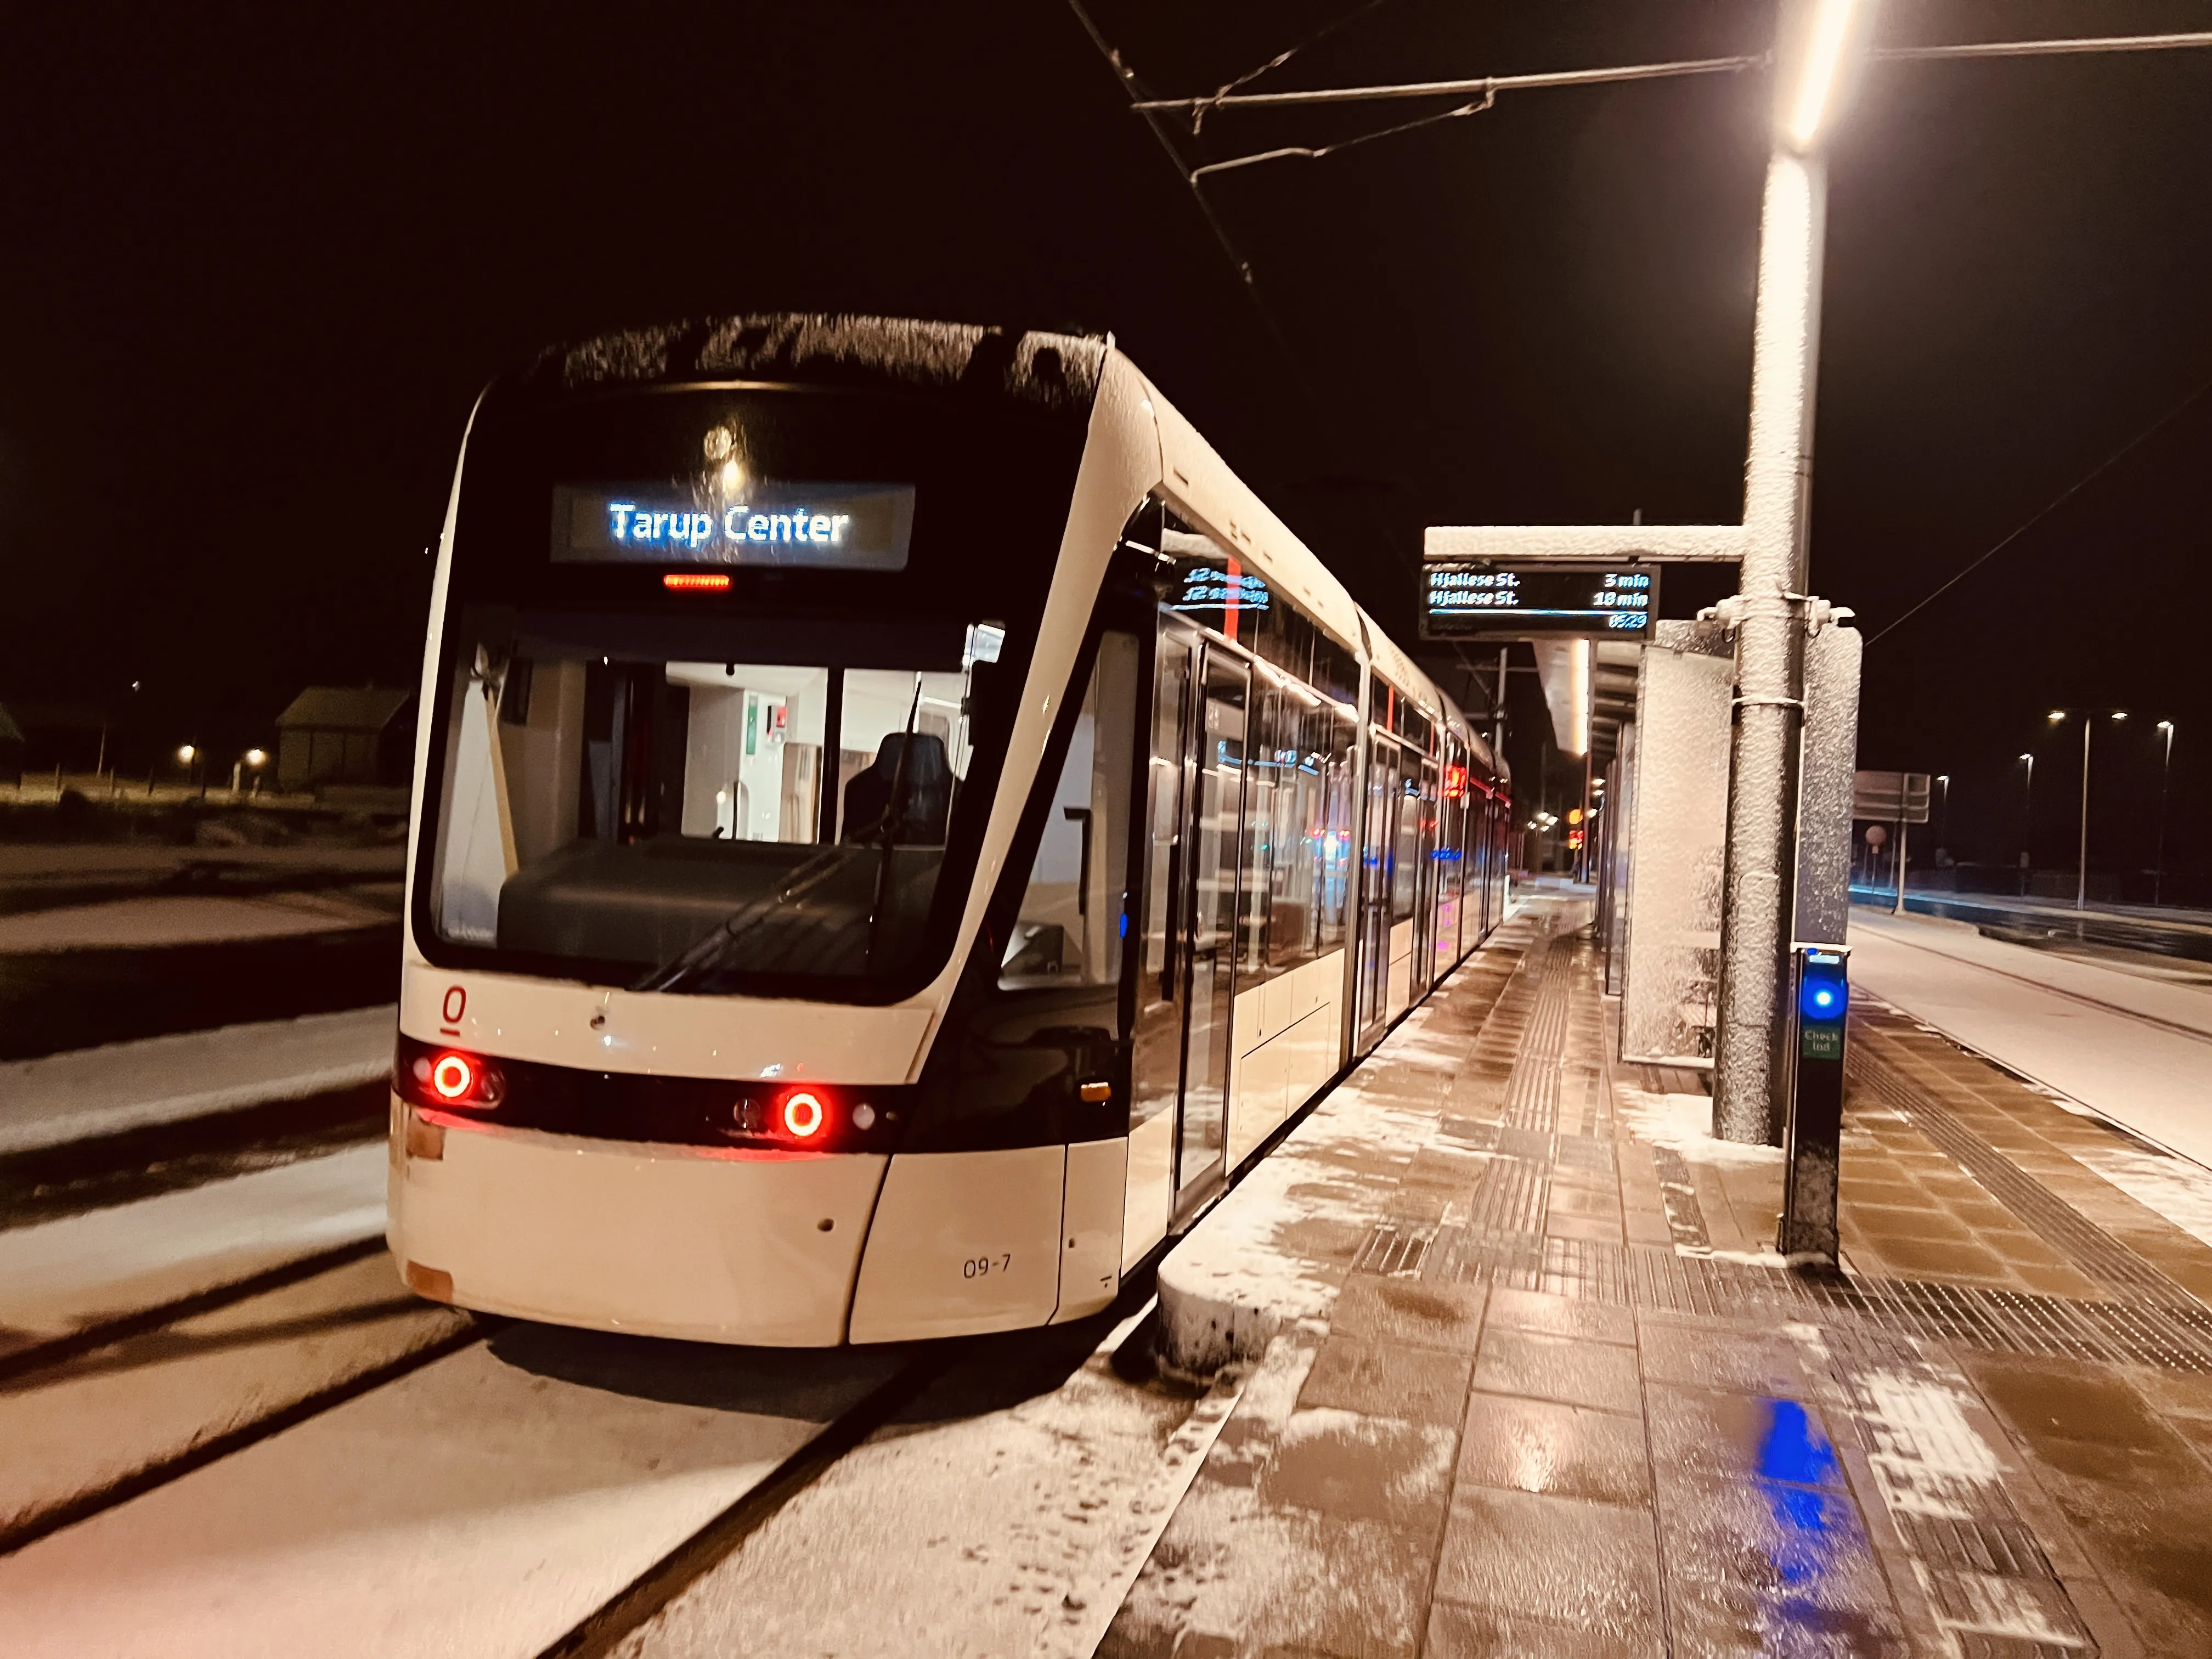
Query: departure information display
(1461, 599)
(844, 526)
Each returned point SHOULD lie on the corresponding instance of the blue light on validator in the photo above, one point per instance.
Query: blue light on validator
(1823, 998)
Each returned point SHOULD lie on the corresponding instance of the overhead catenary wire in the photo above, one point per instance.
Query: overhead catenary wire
(1133, 88)
(2046, 510)
(1285, 56)
(1675, 69)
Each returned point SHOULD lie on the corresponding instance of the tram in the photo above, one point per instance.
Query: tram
(898, 827)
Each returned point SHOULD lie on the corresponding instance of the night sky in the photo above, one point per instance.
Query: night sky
(261, 260)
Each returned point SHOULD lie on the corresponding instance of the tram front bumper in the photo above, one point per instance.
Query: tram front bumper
(707, 1243)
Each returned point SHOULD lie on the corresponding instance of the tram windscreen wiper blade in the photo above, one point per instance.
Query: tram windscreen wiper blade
(894, 810)
(711, 950)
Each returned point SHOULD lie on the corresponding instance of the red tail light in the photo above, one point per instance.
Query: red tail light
(451, 1077)
(802, 1114)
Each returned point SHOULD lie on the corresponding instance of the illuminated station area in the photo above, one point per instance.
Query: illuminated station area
(836, 981)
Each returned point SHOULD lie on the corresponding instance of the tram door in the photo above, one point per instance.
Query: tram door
(1377, 853)
(1183, 1037)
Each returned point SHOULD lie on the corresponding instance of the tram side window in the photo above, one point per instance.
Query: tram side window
(1406, 867)
(1070, 926)
(1338, 802)
(1300, 760)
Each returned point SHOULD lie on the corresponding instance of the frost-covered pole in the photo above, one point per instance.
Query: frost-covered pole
(1818, 42)
(1762, 834)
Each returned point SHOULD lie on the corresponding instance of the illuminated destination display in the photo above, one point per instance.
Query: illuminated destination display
(845, 526)
(1206, 588)
(1461, 598)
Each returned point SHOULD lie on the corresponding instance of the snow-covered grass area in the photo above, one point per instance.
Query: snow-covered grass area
(59, 1098)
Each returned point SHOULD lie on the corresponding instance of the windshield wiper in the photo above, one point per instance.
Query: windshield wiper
(894, 810)
(711, 949)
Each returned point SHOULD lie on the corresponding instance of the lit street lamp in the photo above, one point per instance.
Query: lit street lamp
(2165, 777)
(2081, 883)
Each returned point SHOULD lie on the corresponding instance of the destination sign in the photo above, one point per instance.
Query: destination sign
(848, 527)
(1462, 598)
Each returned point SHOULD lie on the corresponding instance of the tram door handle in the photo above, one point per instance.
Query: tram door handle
(1081, 815)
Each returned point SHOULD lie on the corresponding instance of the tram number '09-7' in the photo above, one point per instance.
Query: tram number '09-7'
(978, 1266)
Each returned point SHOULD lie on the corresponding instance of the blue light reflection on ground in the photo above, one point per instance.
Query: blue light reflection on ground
(1794, 1460)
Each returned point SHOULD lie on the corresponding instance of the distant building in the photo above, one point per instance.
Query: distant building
(338, 734)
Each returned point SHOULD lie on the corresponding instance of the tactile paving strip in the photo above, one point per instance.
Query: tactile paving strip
(1994, 1321)
(2087, 1245)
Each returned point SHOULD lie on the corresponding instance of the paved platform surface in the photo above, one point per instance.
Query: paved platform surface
(1534, 1384)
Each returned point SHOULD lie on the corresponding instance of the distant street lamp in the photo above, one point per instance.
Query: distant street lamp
(184, 753)
(2027, 824)
(2088, 725)
(1943, 812)
(2165, 777)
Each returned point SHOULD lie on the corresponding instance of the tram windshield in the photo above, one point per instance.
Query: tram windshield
(698, 768)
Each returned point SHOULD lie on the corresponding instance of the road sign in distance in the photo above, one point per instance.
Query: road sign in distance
(1461, 599)
(1890, 796)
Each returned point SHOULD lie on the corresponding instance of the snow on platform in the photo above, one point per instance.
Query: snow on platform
(60, 1099)
(2079, 1029)
(64, 1275)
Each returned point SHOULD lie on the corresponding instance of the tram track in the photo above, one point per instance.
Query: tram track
(23, 1531)
(604, 1631)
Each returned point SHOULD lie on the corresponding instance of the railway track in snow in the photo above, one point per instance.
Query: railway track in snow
(309, 1459)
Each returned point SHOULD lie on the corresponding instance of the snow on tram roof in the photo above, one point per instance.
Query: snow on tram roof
(1055, 371)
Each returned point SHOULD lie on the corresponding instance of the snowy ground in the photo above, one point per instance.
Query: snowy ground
(2083, 1030)
(64, 1097)
(150, 922)
(65, 1275)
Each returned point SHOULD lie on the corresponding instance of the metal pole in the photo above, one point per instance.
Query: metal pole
(2027, 826)
(1898, 910)
(2081, 887)
(2165, 779)
(1749, 1078)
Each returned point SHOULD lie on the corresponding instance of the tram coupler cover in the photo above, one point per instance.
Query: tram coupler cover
(1811, 1143)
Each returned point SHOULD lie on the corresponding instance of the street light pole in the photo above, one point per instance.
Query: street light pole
(2165, 778)
(1818, 46)
(2082, 886)
(2027, 824)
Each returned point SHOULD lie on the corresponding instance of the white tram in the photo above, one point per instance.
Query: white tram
(898, 824)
